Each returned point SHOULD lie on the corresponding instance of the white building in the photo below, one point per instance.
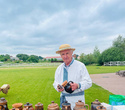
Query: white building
(14, 58)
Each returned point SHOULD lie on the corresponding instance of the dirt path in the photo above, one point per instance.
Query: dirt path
(110, 81)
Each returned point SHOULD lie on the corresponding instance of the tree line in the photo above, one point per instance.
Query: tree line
(22, 58)
(114, 53)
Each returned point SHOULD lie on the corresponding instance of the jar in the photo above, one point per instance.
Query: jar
(53, 106)
(28, 106)
(18, 106)
(67, 86)
(66, 106)
(100, 107)
(80, 106)
(3, 104)
(39, 106)
(95, 104)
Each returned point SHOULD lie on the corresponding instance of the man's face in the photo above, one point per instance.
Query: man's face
(66, 56)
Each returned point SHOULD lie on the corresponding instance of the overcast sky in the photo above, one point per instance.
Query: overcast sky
(39, 27)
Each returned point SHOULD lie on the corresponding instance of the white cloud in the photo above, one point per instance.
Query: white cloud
(42, 26)
(113, 37)
(80, 40)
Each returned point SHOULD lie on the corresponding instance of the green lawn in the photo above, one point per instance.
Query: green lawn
(104, 69)
(34, 85)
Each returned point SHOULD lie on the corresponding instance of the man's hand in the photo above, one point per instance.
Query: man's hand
(74, 86)
(60, 88)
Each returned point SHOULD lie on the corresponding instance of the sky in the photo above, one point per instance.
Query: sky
(39, 27)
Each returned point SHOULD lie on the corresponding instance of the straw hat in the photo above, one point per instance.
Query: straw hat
(64, 47)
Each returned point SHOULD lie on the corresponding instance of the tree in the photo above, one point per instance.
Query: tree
(112, 54)
(96, 54)
(40, 57)
(87, 59)
(119, 43)
(33, 58)
(45, 59)
(82, 57)
(55, 59)
(51, 59)
(4, 57)
(23, 57)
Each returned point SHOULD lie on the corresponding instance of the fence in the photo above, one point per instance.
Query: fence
(114, 63)
(29, 64)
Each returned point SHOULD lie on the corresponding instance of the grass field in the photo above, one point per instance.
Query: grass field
(34, 84)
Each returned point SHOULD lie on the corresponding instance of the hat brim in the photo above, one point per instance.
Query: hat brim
(58, 52)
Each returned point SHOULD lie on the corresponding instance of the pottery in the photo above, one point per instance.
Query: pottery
(39, 106)
(28, 106)
(53, 106)
(3, 104)
(101, 107)
(18, 106)
(80, 106)
(67, 86)
(66, 106)
(95, 104)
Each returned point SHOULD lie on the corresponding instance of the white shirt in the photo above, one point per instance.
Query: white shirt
(77, 73)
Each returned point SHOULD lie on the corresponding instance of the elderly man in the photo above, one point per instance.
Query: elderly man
(71, 70)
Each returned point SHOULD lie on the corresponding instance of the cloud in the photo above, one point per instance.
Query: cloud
(40, 27)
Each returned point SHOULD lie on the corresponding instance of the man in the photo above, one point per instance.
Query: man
(71, 70)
